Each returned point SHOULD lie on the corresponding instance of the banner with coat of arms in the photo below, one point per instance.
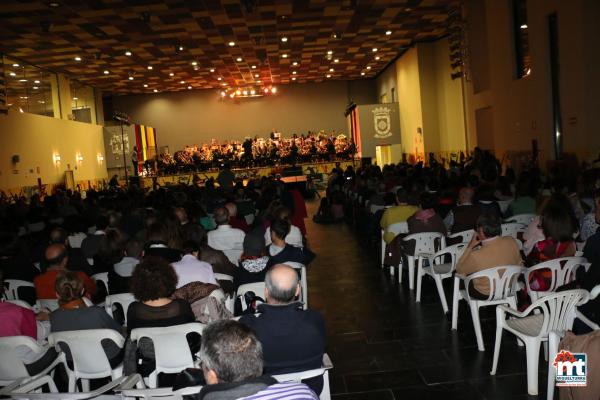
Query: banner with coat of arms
(379, 125)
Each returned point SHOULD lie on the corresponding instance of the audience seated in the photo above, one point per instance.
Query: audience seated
(73, 314)
(294, 237)
(254, 261)
(225, 237)
(57, 259)
(235, 221)
(280, 252)
(191, 269)
(91, 244)
(157, 244)
(399, 213)
(292, 339)
(232, 365)
(153, 283)
(120, 274)
(77, 262)
(464, 216)
(591, 221)
(487, 249)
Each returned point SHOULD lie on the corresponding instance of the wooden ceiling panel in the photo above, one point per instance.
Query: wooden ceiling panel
(50, 34)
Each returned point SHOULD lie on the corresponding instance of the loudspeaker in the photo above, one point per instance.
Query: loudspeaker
(15, 159)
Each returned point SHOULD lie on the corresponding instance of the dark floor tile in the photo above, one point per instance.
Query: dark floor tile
(385, 394)
(457, 391)
(337, 384)
(387, 379)
(507, 387)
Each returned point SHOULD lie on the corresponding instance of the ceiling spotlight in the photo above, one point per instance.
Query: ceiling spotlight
(294, 72)
(273, 89)
(295, 63)
(195, 68)
(182, 82)
(231, 44)
(330, 52)
(54, 4)
(330, 69)
(171, 74)
(239, 59)
(212, 70)
(150, 67)
(328, 75)
(256, 75)
(293, 78)
(131, 78)
(223, 94)
(128, 53)
(368, 67)
(16, 65)
(194, 63)
(189, 88)
(12, 74)
(388, 33)
(219, 78)
(224, 84)
(253, 92)
(106, 72)
(22, 80)
(284, 39)
(524, 26)
(258, 81)
(337, 60)
(245, 93)
(155, 90)
(145, 85)
(36, 81)
(77, 58)
(75, 98)
(374, 49)
(254, 67)
(362, 73)
(377, 58)
(35, 88)
(284, 55)
(180, 48)
(266, 90)
(41, 102)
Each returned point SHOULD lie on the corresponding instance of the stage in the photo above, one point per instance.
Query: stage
(148, 182)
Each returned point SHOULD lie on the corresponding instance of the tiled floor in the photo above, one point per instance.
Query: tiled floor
(384, 345)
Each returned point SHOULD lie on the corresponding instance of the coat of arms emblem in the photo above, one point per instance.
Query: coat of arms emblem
(382, 122)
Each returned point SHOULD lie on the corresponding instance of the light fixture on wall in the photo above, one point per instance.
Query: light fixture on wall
(79, 158)
(247, 92)
(56, 158)
(100, 158)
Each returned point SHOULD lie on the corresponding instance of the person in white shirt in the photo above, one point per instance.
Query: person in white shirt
(294, 237)
(190, 269)
(225, 237)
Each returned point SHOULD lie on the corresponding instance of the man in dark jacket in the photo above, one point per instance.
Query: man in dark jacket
(293, 339)
(281, 252)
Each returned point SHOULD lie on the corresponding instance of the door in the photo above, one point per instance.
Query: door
(383, 154)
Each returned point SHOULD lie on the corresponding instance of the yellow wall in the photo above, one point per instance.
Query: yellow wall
(409, 99)
(36, 139)
(521, 108)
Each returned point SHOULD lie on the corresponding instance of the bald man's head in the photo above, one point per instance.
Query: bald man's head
(56, 255)
(281, 284)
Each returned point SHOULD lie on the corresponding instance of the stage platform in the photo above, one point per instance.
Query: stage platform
(245, 173)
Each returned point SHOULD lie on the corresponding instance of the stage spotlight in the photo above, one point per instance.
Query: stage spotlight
(238, 92)
(266, 90)
(273, 90)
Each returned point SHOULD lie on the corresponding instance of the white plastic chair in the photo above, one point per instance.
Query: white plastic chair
(223, 277)
(503, 204)
(257, 287)
(512, 229)
(299, 376)
(103, 278)
(89, 358)
(465, 236)
(233, 255)
(12, 366)
(554, 312)
(303, 281)
(11, 291)
(554, 338)
(523, 219)
(580, 247)
(123, 299)
(171, 349)
(48, 304)
(396, 229)
(20, 303)
(439, 270)
(425, 246)
(374, 208)
(31, 390)
(503, 287)
(563, 271)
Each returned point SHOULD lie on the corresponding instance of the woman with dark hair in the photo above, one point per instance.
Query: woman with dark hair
(152, 284)
(426, 219)
(158, 244)
(559, 227)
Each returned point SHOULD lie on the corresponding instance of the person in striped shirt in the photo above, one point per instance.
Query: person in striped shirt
(232, 364)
